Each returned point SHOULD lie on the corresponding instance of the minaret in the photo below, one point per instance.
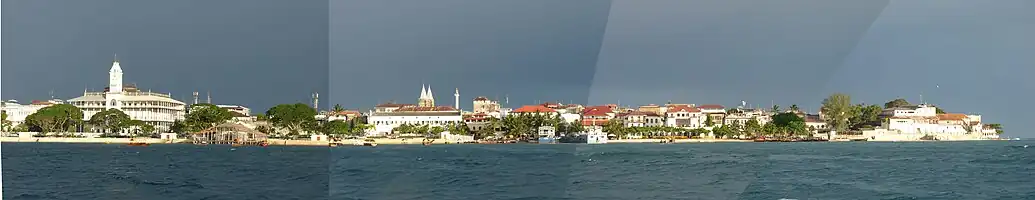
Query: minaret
(209, 97)
(456, 98)
(316, 101)
(195, 97)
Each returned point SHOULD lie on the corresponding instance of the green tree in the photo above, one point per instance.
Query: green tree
(615, 126)
(335, 128)
(798, 128)
(752, 127)
(794, 107)
(338, 108)
(998, 128)
(708, 121)
(939, 110)
(785, 119)
(724, 132)
(576, 127)
(865, 116)
(896, 103)
(110, 120)
(55, 118)
(139, 128)
(699, 132)
(4, 124)
(458, 128)
(203, 116)
(293, 117)
(838, 109)
(261, 117)
(776, 108)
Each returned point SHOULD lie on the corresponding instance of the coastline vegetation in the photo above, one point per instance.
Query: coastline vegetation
(293, 121)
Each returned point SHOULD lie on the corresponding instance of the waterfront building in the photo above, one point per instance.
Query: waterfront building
(485, 105)
(344, 115)
(598, 116)
(477, 121)
(717, 112)
(923, 122)
(16, 113)
(239, 111)
(744, 115)
(652, 108)
(156, 109)
(642, 119)
(684, 116)
(386, 117)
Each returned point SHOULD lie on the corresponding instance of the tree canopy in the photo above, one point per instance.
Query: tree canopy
(294, 117)
(6, 125)
(110, 120)
(838, 108)
(896, 103)
(202, 116)
(55, 118)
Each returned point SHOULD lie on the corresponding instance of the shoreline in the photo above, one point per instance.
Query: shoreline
(417, 141)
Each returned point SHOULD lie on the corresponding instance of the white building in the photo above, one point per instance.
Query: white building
(16, 113)
(744, 115)
(684, 116)
(642, 119)
(915, 122)
(240, 110)
(387, 117)
(158, 110)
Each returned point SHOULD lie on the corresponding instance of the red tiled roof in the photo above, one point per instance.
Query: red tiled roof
(683, 108)
(425, 109)
(596, 111)
(533, 109)
(952, 116)
(393, 105)
(711, 106)
(38, 102)
(344, 113)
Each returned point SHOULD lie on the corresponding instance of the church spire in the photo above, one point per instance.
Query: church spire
(423, 92)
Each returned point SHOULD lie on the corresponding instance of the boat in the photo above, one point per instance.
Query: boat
(369, 143)
(547, 140)
(138, 144)
(585, 138)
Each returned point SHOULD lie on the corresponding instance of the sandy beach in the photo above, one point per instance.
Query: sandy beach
(676, 141)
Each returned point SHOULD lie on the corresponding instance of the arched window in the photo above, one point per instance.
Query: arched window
(113, 103)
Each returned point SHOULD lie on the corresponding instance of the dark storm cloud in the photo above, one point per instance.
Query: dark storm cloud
(531, 50)
(966, 56)
(253, 53)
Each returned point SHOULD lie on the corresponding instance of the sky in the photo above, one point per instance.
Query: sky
(963, 55)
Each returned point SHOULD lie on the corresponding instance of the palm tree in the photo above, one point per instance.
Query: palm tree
(338, 108)
(795, 108)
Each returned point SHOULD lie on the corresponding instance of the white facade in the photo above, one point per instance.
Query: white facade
(16, 113)
(387, 117)
(245, 111)
(685, 117)
(922, 110)
(384, 122)
(158, 110)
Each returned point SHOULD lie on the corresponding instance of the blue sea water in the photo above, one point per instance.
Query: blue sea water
(865, 170)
